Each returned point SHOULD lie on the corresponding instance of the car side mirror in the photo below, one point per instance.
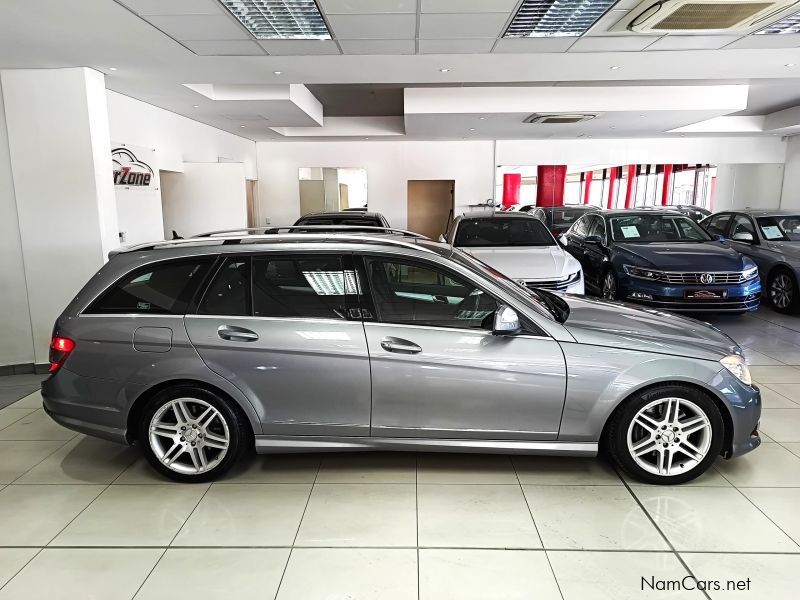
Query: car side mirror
(506, 321)
(594, 239)
(743, 236)
(442, 238)
(563, 240)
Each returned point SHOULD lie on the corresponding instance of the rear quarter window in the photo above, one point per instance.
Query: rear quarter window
(164, 288)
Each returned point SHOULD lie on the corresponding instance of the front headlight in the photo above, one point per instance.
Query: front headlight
(738, 367)
(641, 273)
(749, 274)
(571, 278)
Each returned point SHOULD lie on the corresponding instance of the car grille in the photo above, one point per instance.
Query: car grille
(718, 278)
(551, 284)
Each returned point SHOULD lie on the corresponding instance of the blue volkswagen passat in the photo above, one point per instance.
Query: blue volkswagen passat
(662, 259)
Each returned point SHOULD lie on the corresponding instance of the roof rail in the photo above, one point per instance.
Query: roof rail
(311, 229)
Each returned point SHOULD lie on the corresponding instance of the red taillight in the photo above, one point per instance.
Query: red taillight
(60, 347)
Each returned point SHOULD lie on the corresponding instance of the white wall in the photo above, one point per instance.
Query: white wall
(60, 154)
(16, 343)
(175, 139)
(389, 165)
(748, 186)
(205, 197)
(790, 196)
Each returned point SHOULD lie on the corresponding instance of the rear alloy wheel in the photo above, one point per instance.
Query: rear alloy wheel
(609, 286)
(191, 434)
(667, 435)
(782, 290)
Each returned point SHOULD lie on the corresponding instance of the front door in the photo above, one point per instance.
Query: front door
(277, 327)
(437, 370)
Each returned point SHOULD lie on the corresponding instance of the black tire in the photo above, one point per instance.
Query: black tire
(782, 282)
(609, 278)
(239, 432)
(615, 441)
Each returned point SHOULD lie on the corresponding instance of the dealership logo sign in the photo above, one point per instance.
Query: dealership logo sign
(129, 170)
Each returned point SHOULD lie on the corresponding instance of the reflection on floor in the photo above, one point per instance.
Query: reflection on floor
(83, 518)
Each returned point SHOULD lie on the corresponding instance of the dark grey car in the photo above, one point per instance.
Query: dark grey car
(772, 240)
(199, 349)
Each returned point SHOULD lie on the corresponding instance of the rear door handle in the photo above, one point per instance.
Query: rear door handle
(236, 334)
(399, 345)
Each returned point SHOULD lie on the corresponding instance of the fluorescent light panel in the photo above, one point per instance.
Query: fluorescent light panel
(280, 19)
(788, 24)
(556, 18)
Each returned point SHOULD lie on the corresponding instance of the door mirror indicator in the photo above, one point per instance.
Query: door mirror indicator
(506, 321)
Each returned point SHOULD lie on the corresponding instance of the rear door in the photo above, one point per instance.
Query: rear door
(437, 370)
(278, 327)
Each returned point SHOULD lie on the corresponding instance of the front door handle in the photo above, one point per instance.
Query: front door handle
(236, 334)
(399, 345)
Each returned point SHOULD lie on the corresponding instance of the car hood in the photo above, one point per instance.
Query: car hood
(684, 256)
(620, 325)
(528, 262)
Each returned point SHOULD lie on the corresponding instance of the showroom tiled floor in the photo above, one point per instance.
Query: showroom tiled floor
(81, 518)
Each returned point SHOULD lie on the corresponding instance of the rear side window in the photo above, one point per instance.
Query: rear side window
(229, 292)
(163, 288)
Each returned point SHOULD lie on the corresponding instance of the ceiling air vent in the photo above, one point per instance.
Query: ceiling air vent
(558, 119)
(680, 16)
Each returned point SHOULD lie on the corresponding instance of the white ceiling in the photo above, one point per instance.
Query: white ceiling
(158, 46)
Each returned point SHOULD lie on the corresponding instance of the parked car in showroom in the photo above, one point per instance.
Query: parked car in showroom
(772, 239)
(694, 212)
(519, 246)
(662, 259)
(560, 218)
(352, 218)
(200, 349)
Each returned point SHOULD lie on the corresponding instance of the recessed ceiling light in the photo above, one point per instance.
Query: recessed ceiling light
(545, 18)
(366, 138)
(641, 116)
(613, 127)
(444, 70)
(280, 19)
(472, 129)
(614, 67)
(277, 72)
(242, 126)
(195, 106)
(789, 65)
(482, 118)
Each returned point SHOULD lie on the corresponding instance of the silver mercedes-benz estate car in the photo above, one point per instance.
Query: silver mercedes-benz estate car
(201, 349)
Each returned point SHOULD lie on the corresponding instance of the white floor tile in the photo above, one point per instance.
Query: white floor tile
(781, 424)
(12, 415)
(32, 515)
(782, 374)
(246, 515)
(712, 519)
(32, 400)
(793, 447)
(360, 515)
(475, 516)
(12, 560)
(133, 515)
(617, 575)
(17, 457)
(591, 517)
(711, 478)
(772, 576)
(482, 574)
(465, 468)
(82, 460)
(769, 465)
(350, 574)
(788, 390)
(81, 573)
(771, 398)
(275, 468)
(141, 473)
(368, 467)
(35, 427)
(562, 470)
(782, 506)
(216, 574)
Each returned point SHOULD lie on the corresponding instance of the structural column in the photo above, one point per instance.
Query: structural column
(631, 186)
(60, 156)
(550, 180)
(512, 183)
(587, 188)
(665, 190)
(612, 186)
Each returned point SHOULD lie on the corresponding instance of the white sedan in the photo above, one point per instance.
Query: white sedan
(519, 246)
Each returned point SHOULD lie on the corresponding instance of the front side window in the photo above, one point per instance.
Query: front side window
(782, 228)
(164, 288)
(312, 287)
(742, 225)
(598, 228)
(718, 225)
(408, 293)
(229, 292)
(581, 227)
(499, 231)
(656, 228)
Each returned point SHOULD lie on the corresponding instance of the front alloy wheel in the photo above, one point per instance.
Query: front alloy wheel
(609, 286)
(669, 434)
(191, 434)
(782, 293)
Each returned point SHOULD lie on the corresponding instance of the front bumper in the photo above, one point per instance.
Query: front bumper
(744, 404)
(739, 298)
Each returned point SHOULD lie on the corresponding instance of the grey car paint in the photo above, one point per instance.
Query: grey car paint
(551, 392)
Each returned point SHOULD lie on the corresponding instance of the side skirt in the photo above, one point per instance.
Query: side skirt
(285, 444)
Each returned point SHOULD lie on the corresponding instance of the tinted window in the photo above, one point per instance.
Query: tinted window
(408, 293)
(301, 287)
(499, 231)
(581, 227)
(161, 288)
(718, 225)
(780, 228)
(656, 228)
(598, 227)
(229, 292)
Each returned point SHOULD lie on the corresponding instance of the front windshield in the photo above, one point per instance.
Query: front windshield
(547, 305)
(780, 228)
(646, 228)
(488, 232)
